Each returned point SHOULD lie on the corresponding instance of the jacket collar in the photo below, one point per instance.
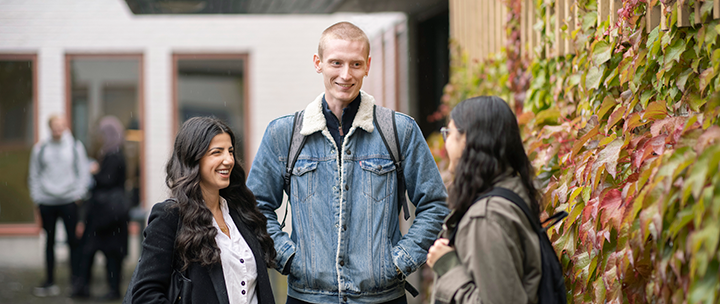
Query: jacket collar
(314, 119)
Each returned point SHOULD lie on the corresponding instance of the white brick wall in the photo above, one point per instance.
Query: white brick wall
(280, 48)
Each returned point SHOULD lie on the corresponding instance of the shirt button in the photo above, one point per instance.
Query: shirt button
(348, 152)
(243, 292)
(342, 263)
(347, 187)
(242, 261)
(242, 283)
(344, 227)
(345, 298)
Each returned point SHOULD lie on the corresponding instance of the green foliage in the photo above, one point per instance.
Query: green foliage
(624, 136)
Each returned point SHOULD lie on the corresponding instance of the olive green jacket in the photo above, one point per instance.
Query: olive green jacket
(497, 254)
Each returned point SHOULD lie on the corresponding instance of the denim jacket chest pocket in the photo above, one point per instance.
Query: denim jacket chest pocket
(302, 185)
(378, 178)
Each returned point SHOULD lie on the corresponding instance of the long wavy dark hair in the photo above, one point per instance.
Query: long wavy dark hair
(492, 145)
(196, 240)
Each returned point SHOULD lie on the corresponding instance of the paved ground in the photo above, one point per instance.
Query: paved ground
(21, 269)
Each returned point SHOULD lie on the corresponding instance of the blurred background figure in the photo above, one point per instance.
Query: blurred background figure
(58, 181)
(106, 218)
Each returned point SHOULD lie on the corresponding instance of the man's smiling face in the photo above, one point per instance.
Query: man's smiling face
(343, 66)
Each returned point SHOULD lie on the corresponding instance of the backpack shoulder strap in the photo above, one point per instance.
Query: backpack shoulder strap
(41, 162)
(297, 141)
(385, 123)
(509, 195)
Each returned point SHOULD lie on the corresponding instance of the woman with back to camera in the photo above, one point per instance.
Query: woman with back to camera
(222, 244)
(496, 253)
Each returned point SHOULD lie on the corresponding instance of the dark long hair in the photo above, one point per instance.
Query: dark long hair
(492, 145)
(196, 240)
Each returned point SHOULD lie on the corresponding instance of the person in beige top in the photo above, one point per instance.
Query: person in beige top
(495, 256)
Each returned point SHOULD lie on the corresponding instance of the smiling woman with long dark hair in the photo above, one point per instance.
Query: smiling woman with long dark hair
(495, 257)
(210, 230)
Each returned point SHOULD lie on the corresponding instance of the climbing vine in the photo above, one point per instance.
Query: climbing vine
(624, 136)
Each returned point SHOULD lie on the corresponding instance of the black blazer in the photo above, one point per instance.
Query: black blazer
(208, 284)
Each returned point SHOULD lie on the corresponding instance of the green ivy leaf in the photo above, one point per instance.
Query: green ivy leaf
(682, 79)
(705, 78)
(601, 52)
(655, 110)
(593, 78)
(673, 52)
(616, 115)
(609, 157)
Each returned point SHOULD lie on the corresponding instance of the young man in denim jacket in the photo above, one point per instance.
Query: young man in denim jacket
(346, 245)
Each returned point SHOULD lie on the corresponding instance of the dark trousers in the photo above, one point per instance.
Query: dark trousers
(49, 215)
(113, 267)
(400, 300)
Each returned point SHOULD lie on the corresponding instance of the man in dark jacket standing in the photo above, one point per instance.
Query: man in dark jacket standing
(58, 181)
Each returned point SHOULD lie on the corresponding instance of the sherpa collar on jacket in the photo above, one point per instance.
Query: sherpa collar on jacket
(314, 119)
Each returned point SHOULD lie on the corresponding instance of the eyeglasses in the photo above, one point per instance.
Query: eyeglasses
(445, 132)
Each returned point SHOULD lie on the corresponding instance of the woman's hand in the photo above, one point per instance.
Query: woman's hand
(437, 250)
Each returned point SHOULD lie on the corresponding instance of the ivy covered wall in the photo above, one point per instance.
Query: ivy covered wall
(624, 135)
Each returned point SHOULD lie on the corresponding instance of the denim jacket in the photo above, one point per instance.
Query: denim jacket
(346, 244)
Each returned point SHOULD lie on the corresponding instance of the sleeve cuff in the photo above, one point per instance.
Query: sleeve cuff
(445, 263)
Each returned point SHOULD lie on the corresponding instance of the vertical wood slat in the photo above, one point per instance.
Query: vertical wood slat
(571, 17)
(548, 19)
(696, 12)
(603, 11)
(615, 5)
(652, 18)
(490, 13)
(683, 12)
(534, 36)
(559, 47)
(663, 18)
(503, 18)
(716, 9)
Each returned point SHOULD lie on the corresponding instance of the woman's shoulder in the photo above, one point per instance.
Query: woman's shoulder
(500, 208)
(165, 210)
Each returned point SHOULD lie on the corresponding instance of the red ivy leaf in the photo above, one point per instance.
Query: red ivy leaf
(581, 142)
(633, 121)
(616, 115)
(612, 208)
(667, 125)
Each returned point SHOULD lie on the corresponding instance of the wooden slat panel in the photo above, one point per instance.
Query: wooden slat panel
(716, 9)
(571, 15)
(477, 29)
(683, 12)
(548, 17)
(533, 35)
(696, 12)
(559, 47)
(615, 5)
(485, 47)
(652, 18)
(603, 11)
(503, 19)
(663, 18)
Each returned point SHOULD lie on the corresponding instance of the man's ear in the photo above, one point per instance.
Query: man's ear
(318, 63)
(367, 70)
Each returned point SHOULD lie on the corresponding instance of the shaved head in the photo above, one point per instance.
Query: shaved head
(343, 31)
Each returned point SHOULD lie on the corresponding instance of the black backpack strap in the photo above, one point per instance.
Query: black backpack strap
(385, 122)
(518, 201)
(297, 141)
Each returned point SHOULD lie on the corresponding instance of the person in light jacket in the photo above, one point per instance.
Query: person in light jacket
(496, 254)
(58, 180)
(222, 244)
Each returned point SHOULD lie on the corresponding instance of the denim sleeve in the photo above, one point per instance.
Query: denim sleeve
(425, 190)
(265, 180)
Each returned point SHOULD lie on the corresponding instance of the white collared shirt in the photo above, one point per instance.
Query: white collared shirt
(238, 263)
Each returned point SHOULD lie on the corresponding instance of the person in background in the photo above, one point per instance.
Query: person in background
(346, 244)
(496, 253)
(210, 230)
(106, 219)
(58, 180)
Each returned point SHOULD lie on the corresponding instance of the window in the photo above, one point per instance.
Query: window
(102, 85)
(213, 85)
(17, 136)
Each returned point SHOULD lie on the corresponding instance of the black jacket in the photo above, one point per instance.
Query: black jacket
(208, 284)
